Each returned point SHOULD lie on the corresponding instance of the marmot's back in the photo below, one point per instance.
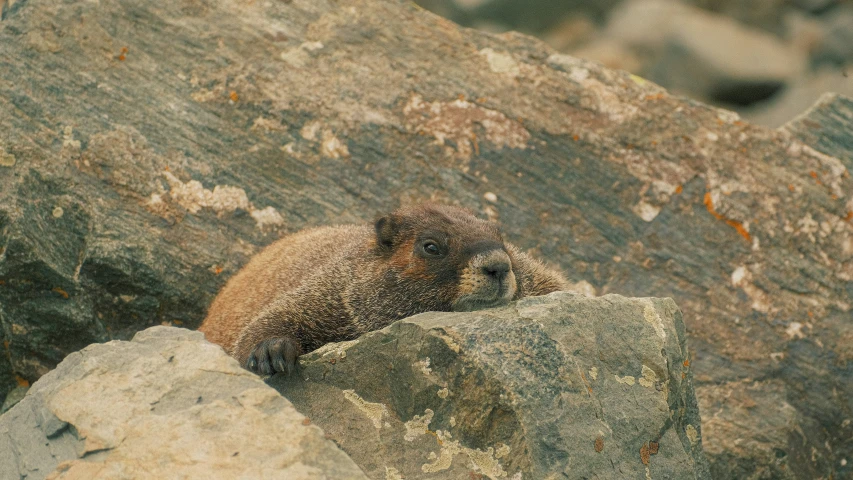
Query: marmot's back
(279, 268)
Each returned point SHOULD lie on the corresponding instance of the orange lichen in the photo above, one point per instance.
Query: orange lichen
(686, 362)
(60, 291)
(576, 137)
(791, 187)
(658, 96)
(586, 384)
(217, 270)
(679, 189)
(22, 382)
(644, 453)
(233, 96)
(709, 204)
(599, 444)
(848, 218)
(306, 421)
(122, 56)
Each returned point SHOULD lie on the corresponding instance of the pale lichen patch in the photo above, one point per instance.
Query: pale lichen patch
(649, 377)
(482, 461)
(692, 434)
(223, 199)
(418, 425)
(310, 130)
(443, 393)
(58, 212)
(502, 450)
(456, 121)
(795, 330)
(500, 62)
(627, 379)
(332, 147)
(267, 218)
(301, 55)
(593, 373)
(392, 473)
(423, 366)
(646, 211)
(650, 314)
(6, 159)
(373, 411)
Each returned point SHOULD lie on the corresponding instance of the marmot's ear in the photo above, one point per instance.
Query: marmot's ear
(386, 230)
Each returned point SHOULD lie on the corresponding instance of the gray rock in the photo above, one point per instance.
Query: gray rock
(339, 114)
(836, 46)
(705, 55)
(531, 16)
(12, 399)
(800, 96)
(764, 14)
(560, 386)
(166, 405)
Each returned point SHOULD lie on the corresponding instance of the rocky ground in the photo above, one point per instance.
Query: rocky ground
(559, 385)
(766, 59)
(148, 150)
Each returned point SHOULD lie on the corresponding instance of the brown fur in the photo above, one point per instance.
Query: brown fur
(331, 284)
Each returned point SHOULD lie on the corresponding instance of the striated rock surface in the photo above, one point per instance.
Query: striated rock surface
(148, 149)
(560, 386)
(166, 405)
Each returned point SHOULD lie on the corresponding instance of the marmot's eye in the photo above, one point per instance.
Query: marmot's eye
(431, 248)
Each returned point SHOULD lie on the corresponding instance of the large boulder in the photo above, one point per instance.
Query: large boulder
(166, 405)
(560, 386)
(148, 149)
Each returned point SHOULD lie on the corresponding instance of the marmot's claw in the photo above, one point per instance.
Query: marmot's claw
(278, 354)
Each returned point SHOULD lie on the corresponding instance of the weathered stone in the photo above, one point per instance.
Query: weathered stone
(531, 16)
(12, 399)
(560, 386)
(166, 405)
(705, 55)
(315, 112)
(764, 14)
(799, 97)
(836, 46)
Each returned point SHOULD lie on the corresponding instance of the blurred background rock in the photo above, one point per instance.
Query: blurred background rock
(768, 60)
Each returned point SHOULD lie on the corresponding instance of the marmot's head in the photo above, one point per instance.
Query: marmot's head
(449, 253)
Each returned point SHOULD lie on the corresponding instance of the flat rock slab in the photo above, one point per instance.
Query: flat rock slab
(560, 386)
(165, 405)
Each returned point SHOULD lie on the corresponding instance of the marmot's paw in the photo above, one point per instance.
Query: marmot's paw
(278, 354)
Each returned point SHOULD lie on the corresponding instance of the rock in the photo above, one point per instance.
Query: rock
(560, 386)
(12, 399)
(166, 405)
(815, 6)
(610, 53)
(135, 182)
(836, 47)
(801, 95)
(705, 55)
(764, 14)
(532, 16)
(571, 32)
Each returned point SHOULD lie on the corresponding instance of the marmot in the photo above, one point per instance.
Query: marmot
(330, 284)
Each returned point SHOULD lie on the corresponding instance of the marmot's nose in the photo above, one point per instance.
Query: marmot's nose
(497, 269)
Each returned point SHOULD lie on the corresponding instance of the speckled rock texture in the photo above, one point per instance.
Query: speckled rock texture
(559, 386)
(149, 148)
(166, 405)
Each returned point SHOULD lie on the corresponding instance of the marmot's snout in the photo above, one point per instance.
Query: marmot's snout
(487, 281)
